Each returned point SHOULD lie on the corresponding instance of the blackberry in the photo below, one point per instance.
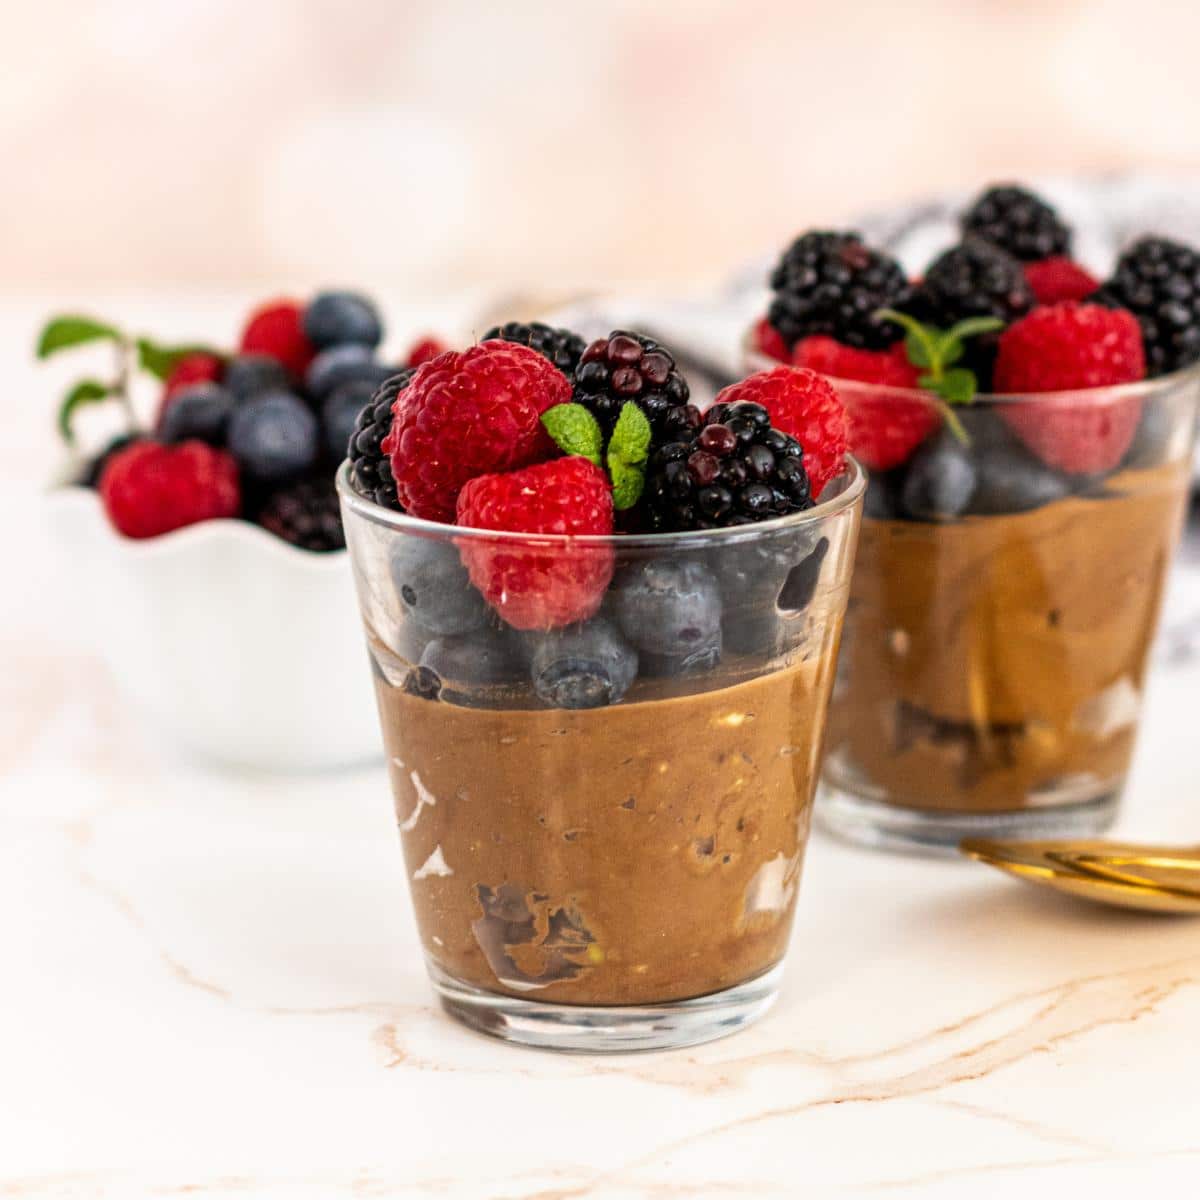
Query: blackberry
(1159, 282)
(626, 366)
(972, 279)
(306, 514)
(831, 283)
(562, 347)
(728, 467)
(1018, 222)
(370, 468)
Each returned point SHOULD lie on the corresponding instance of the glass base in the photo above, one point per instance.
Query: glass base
(608, 1029)
(889, 827)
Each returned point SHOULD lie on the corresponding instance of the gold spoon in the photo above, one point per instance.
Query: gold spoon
(1150, 878)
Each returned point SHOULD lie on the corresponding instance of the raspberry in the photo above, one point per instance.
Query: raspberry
(148, 488)
(885, 426)
(1066, 347)
(769, 341)
(191, 368)
(543, 587)
(470, 413)
(277, 329)
(1057, 279)
(805, 406)
(1019, 222)
(423, 350)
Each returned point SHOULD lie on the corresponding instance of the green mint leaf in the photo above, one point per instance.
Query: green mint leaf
(918, 341)
(958, 385)
(917, 349)
(628, 482)
(950, 349)
(160, 360)
(61, 333)
(973, 326)
(630, 441)
(86, 391)
(574, 431)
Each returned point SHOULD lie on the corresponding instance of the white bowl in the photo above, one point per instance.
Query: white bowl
(241, 648)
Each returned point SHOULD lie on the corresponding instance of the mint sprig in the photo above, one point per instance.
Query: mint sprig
(626, 457)
(160, 361)
(61, 333)
(574, 430)
(85, 392)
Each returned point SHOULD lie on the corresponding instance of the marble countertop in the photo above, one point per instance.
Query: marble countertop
(213, 988)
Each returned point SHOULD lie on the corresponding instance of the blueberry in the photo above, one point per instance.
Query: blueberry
(582, 666)
(251, 374)
(466, 662)
(1010, 480)
(200, 411)
(1152, 443)
(334, 318)
(274, 437)
(882, 501)
(340, 412)
(432, 587)
(801, 584)
(671, 611)
(940, 480)
(340, 365)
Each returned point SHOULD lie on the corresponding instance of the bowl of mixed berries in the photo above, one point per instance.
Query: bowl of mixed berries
(207, 523)
(1028, 426)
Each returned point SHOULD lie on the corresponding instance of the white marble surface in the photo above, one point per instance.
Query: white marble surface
(212, 987)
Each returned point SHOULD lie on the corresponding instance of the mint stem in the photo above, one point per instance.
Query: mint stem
(124, 352)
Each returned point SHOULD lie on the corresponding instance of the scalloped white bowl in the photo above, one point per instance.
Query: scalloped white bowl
(240, 648)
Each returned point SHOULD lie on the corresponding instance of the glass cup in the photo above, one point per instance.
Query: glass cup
(604, 825)
(1004, 601)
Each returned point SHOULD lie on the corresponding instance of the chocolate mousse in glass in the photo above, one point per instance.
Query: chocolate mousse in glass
(1001, 616)
(604, 825)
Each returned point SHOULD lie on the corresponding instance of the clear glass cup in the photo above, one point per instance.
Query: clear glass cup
(1004, 601)
(604, 826)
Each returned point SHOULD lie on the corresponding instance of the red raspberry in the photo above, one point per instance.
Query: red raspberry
(1056, 279)
(423, 350)
(1068, 347)
(544, 587)
(769, 341)
(885, 426)
(148, 488)
(470, 413)
(192, 368)
(277, 329)
(804, 404)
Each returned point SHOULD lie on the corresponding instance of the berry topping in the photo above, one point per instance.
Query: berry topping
(306, 514)
(832, 283)
(805, 406)
(1019, 222)
(827, 356)
(277, 329)
(459, 666)
(199, 367)
(626, 366)
(148, 488)
(433, 589)
(370, 467)
(423, 350)
(886, 428)
(670, 609)
(334, 318)
(250, 374)
(973, 279)
(339, 415)
(1057, 279)
(940, 480)
(1159, 282)
(274, 437)
(200, 411)
(343, 364)
(469, 414)
(562, 347)
(769, 341)
(582, 666)
(535, 587)
(1073, 346)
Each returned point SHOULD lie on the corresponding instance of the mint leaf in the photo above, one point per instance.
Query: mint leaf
(958, 385)
(973, 326)
(950, 349)
(917, 349)
(630, 441)
(86, 391)
(61, 333)
(574, 431)
(160, 360)
(627, 481)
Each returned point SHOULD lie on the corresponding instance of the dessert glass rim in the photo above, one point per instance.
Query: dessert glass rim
(852, 478)
(1111, 394)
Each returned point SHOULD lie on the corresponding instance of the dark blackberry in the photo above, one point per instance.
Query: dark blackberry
(831, 283)
(972, 279)
(370, 468)
(306, 514)
(729, 467)
(1019, 222)
(1159, 282)
(562, 347)
(626, 366)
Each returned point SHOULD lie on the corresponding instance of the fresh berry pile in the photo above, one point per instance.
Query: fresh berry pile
(255, 433)
(534, 434)
(1006, 311)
